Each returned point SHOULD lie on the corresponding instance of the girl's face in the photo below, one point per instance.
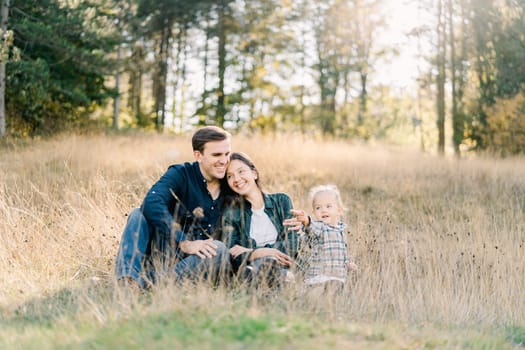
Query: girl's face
(326, 208)
(241, 178)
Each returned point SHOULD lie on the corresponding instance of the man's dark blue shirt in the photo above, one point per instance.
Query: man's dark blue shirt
(170, 205)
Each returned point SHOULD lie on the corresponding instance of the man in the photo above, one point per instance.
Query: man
(180, 211)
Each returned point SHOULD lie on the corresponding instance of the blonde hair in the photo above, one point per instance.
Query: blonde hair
(314, 191)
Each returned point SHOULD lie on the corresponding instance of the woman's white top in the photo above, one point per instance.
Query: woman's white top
(262, 229)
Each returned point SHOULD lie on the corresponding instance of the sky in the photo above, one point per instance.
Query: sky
(402, 17)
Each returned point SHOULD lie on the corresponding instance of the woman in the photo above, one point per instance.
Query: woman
(252, 224)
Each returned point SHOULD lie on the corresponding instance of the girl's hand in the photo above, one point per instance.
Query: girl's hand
(237, 250)
(352, 267)
(282, 258)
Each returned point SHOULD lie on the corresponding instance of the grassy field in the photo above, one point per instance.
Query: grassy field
(440, 244)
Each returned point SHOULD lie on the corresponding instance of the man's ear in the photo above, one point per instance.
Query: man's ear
(197, 155)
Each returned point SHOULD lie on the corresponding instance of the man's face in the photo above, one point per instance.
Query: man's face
(214, 158)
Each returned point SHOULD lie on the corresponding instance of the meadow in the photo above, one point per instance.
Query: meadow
(439, 243)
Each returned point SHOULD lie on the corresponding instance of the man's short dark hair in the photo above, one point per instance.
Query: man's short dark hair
(208, 134)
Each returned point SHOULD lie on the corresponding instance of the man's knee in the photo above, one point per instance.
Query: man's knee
(136, 217)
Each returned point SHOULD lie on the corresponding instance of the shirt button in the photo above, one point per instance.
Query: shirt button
(212, 208)
(209, 225)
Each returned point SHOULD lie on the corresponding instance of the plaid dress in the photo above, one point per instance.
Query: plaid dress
(328, 252)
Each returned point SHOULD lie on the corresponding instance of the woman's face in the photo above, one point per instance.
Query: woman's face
(241, 178)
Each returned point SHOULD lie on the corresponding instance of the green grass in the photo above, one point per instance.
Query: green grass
(103, 318)
(516, 335)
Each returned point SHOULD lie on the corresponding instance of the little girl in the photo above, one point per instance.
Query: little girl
(327, 263)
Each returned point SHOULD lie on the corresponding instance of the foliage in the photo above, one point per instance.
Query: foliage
(265, 66)
(509, 45)
(498, 65)
(60, 76)
(505, 132)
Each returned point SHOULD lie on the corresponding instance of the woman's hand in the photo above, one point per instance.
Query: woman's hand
(237, 250)
(299, 219)
(282, 258)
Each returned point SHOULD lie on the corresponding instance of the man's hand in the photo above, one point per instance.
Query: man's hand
(237, 250)
(203, 248)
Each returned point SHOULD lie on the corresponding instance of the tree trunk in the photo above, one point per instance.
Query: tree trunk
(164, 74)
(3, 27)
(441, 78)
(363, 98)
(116, 100)
(327, 85)
(161, 77)
(221, 108)
(456, 138)
(419, 117)
(135, 83)
(204, 96)
(459, 125)
(183, 84)
(482, 23)
(174, 110)
(302, 93)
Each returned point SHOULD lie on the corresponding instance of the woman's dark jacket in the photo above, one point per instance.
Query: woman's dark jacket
(236, 221)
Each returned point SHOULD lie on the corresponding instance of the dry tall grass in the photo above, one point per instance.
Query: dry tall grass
(437, 240)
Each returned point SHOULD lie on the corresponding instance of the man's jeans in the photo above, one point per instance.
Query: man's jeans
(134, 255)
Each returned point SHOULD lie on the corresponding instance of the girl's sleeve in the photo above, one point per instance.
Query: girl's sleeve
(314, 229)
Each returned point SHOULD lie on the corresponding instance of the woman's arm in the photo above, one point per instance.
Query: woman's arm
(287, 240)
(233, 235)
(281, 257)
(231, 226)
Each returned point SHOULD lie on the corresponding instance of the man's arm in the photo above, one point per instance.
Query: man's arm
(159, 202)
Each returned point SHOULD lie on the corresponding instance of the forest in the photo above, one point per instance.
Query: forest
(311, 67)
